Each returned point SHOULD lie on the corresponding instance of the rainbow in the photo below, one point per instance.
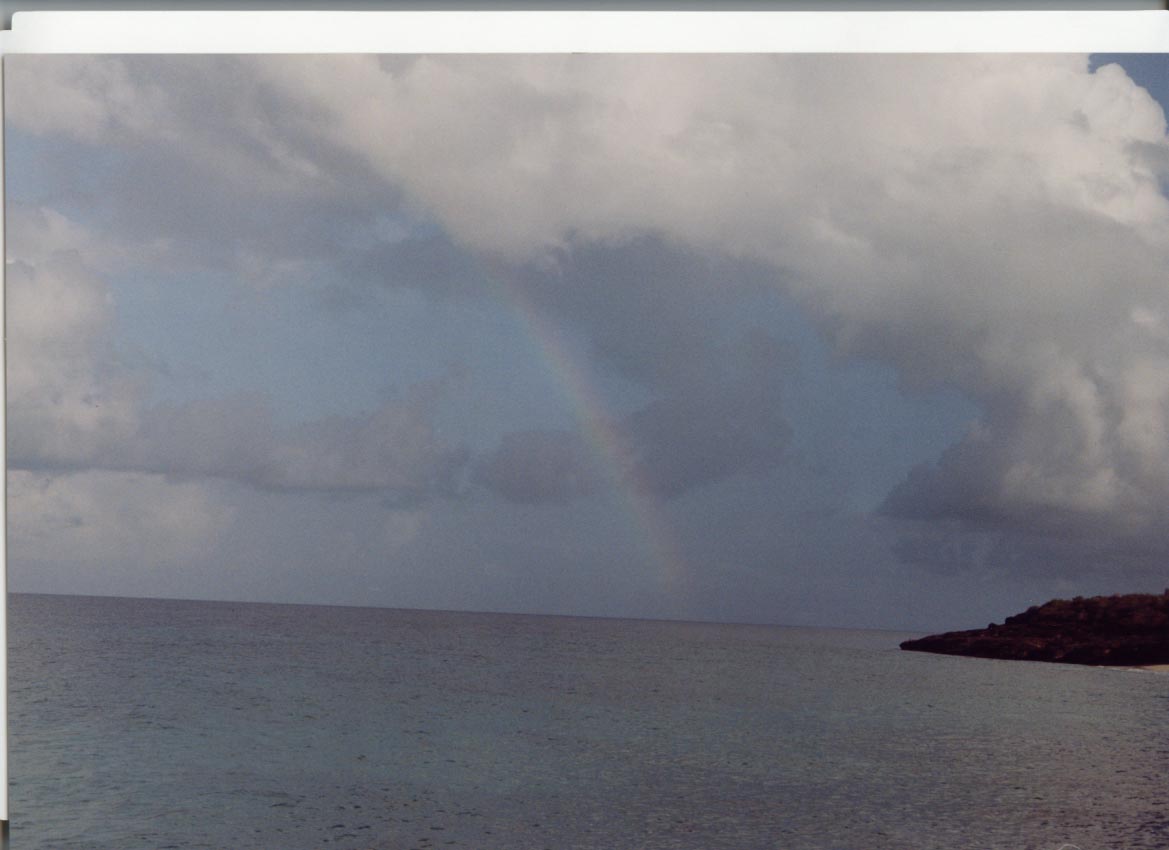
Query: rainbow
(604, 438)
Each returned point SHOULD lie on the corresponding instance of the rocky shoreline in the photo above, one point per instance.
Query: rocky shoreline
(1120, 631)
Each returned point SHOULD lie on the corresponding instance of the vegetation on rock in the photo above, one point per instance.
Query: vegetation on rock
(1127, 630)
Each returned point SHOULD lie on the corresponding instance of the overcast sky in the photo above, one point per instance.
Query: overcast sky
(867, 341)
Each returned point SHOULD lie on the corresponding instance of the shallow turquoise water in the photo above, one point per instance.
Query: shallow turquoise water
(166, 724)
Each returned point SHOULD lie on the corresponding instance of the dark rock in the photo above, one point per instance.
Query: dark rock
(1125, 631)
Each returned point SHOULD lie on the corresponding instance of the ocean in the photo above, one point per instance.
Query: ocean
(159, 724)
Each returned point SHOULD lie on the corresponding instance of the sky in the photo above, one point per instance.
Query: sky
(855, 340)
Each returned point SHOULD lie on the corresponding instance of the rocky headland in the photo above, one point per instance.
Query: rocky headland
(1124, 631)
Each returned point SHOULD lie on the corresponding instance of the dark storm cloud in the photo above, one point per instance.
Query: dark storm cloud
(530, 467)
(953, 546)
(683, 443)
(228, 437)
(659, 314)
(652, 311)
(665, 318)
(717, 428)
(427, 262)
(674, 444)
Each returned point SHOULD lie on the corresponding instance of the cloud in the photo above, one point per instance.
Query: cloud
(99, 517)
(718, 428)
(649, 311)
(427, 262)
(75, 404)
(728, 422)
(952, 547)
(534, 466)
(92, 101)
(985, 222)
(647, 307)
(994, 224)
(394, 449)
(195, 156)
(68, 396)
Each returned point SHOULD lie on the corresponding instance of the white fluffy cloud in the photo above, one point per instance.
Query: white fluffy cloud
(93, 101)
(68, 399)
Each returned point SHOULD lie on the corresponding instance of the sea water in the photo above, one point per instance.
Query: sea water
(174, 724)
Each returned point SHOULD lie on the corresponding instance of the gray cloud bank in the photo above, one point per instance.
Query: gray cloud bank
(75, 405)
